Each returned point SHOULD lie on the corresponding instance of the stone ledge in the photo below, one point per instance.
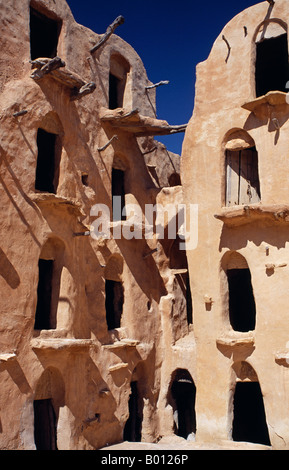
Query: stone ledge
(123, 343)
(7, 357)
(282, 358)
(240, 215)
(236, 339)
(60, 344)
(261, 106)
(43, 199)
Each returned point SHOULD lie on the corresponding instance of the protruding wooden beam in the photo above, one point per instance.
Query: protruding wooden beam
(111, 28)
(43, 68)
(163, 82)
(83, 91)
(20, 113)
(137, 124)
(100, 149)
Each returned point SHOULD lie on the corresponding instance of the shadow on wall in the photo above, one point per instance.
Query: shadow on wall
(236, 238)
(8, 272)
(144, 270)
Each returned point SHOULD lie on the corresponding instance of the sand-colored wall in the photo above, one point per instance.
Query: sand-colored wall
(224, 84)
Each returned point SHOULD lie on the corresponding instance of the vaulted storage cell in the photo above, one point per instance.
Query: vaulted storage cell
(249, 423)
(44, 34)
(272, 71)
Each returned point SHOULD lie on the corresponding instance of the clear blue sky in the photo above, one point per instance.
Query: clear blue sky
(171, 37)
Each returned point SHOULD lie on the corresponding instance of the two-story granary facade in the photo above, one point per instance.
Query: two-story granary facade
(235, 167)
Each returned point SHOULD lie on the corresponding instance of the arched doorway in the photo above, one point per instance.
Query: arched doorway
(249, 417)
(241, 306)
(182, 396)
(49, 396)
(132, 429)
(50, 288)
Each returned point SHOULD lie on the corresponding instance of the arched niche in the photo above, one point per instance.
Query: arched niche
(247, 408)
(49, 397)
(53, 308)
(182, 396)
(119, 186)
(133, 427)
(119, 82)
(114, 291)
(271, 57)
(237, 291)
(49, 150)
(242, 184)
(45, 29)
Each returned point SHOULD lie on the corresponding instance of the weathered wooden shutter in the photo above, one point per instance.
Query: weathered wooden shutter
(249, 177)
(233, 177)
(242, 177)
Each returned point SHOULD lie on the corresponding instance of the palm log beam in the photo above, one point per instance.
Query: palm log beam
(137, 124)
(56, 69)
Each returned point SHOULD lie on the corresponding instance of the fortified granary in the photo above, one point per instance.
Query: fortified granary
(112, 333)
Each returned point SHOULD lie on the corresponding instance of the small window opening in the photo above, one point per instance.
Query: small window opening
(43, 317)
(132, 429)
(118, 189)
(249, 423)
(242, 309)
(183, 393)
(84, 179)
(44, 425)
(272, 71)
(48, 161)
(174, 180)
(114, 299)
(242, 185)
(44, 34)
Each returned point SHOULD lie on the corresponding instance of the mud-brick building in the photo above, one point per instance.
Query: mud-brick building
(81, 331)
(235, 166)
(105, 338)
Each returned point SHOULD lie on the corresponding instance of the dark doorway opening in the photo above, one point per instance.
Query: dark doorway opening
(115, 94)
(249, 423)
(183, 392)
(132, 429)
(118, 189)
(114, 299)
(48, 161)
(44, 34)
(242, 309)
(44, 425)
(43, 320)
(272, 72)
